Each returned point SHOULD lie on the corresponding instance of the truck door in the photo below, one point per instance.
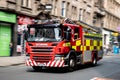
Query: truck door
(77, 41)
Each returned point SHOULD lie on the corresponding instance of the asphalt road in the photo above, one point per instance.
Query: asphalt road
(109, 67)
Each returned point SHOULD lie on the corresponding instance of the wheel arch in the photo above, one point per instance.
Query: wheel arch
(94, 54)
(71, 52)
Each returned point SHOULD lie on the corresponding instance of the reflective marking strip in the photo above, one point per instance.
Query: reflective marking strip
(81, 47)
(31, 63)
(52, 63)
(48, 63)
(84, 48)
(98, 48)
(27, 63)
(100, 43)
(34, 63)
(57, 63)
(68, 44)
(91, 48)
(74, 47)
(88, 42)
(61, 63)
(78, 42)
(95, 43)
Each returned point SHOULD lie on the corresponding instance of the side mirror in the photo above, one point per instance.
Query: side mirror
(68, 36)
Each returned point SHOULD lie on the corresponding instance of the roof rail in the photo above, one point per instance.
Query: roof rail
(49, 21)
(85, 25)
(54, 21)
(67, 20)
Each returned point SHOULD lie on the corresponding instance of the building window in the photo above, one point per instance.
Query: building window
(29, 3)
(84, 15)
(56, 4)
(26, 3)
(23, 3)
(80, 14)
(74, 12)
(53, 6)
(67, 9)
(63, 13)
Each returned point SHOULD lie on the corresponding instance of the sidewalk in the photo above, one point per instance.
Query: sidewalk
(110, 54)
(11, 61)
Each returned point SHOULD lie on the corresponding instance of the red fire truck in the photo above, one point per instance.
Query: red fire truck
(62, 44)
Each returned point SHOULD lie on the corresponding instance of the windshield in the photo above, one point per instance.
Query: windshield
(44, 34)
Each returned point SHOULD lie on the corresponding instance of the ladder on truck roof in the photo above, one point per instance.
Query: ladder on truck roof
(83, 24)
(69, 21)
(55, 21)
(89, 27)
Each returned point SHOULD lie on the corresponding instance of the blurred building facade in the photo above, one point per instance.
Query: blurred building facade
(100, 13)
(73, 9)
(16, 14)
(111, 21)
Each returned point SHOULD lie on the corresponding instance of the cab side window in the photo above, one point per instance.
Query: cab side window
(67, 30)
(76, 33)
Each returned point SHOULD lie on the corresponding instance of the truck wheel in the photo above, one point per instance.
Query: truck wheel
(71, 63)
(94, 62)
(36, 68)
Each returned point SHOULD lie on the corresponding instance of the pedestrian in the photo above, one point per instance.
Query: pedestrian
(107, 49)
(11, 48)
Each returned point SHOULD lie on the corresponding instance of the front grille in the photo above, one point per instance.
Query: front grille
(42, 49)
(42, 58)
(42, 54)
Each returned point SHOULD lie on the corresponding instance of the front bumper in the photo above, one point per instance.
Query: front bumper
(55, 63)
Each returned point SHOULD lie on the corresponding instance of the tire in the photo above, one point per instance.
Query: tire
(94, 62)
(36, 68)
(71, 63)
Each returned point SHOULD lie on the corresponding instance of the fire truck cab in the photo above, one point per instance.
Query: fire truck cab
(66, 44)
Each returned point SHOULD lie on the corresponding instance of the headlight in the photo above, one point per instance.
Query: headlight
(59, 57)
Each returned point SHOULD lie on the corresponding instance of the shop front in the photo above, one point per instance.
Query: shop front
(109, 39)
(106, 36)
(23, 21)
(7, 24)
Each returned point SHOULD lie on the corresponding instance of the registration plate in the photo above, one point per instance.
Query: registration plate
(41, 64)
